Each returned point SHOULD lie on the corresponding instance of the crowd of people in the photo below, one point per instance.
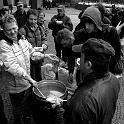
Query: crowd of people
(96, 42)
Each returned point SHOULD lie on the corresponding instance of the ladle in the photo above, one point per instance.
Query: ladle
(40, 92)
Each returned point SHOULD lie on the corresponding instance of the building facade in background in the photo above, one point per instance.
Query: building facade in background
(33, 3)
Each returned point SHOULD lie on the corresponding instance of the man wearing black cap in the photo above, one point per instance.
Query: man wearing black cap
(57, 23)
(94, 101)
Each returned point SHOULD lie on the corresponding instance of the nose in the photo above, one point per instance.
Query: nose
(34, 21)
(86, 25)
(12, 31)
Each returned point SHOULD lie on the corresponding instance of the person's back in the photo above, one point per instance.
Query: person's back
(99, 99)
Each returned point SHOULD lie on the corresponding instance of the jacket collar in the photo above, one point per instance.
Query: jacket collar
(90, 79)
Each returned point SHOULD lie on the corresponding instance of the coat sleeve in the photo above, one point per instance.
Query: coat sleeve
(59, 112)
(86, 111)
(78, 36)
(9, 60)
(68, 24)
(52, 24)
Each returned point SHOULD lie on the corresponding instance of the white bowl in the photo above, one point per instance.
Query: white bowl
(59, 22)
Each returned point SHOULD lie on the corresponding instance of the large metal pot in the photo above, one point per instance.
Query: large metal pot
(42, 111)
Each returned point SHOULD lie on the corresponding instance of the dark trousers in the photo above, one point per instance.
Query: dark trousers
(3, 118)
(21, 103)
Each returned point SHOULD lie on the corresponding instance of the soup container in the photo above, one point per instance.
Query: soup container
(41, 108)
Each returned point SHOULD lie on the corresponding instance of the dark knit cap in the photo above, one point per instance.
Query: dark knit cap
(96, 50)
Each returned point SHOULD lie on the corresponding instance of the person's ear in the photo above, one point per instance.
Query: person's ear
(89, 64)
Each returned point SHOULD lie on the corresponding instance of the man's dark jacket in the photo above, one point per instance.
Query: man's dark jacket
(94, 102)
(56, 27)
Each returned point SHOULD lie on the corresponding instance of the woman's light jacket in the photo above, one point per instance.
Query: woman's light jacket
(16, 59)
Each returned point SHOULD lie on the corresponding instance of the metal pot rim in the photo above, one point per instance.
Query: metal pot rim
(49, 81)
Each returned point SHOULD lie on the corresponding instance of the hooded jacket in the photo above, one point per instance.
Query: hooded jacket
(94, 14)
(105, 32)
